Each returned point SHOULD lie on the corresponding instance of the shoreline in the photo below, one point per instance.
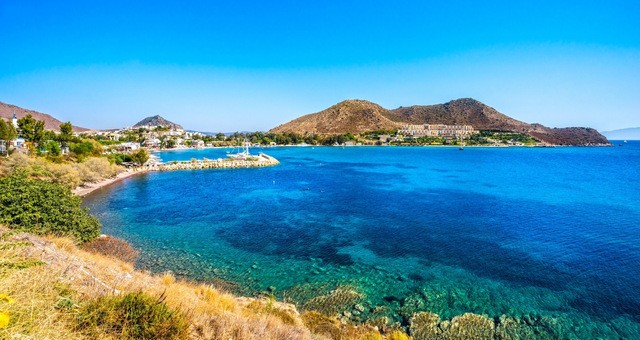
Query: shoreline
(263, 161)
(154, 151)
(83, 191)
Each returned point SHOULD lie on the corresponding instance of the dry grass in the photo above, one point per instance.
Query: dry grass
(38, 310)
(68, 174)
(113, 247)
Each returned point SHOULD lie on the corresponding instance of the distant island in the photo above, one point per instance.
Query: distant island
(623, 134)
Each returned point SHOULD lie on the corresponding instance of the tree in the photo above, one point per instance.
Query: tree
(86, 148)
(141, 156)
(31, 129)
(7, 131)
(82, 149)
(66, 133)
(53, 148)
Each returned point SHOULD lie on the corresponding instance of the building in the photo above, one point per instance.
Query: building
(437, 131)
(152, 143)
(128, 146)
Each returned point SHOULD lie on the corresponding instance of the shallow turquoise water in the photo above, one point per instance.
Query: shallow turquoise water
(542, 233)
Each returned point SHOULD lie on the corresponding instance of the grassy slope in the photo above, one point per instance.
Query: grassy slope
(50, 277)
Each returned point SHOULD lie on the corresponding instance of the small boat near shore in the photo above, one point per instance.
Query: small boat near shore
(241, 155)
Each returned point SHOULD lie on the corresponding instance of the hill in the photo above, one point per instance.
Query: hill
(157, 120)
(457, 112)
(50, 123)
(353, 116)
(621, 134)
(357, 116)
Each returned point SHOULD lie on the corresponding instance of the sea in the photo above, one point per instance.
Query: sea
(546, 237)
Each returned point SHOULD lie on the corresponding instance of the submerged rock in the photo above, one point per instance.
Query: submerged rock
(424, 325)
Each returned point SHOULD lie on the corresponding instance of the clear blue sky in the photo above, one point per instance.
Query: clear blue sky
(251, 65)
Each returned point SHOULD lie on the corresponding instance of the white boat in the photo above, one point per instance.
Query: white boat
(244, 154)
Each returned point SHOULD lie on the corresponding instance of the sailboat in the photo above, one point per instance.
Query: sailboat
(244, 154)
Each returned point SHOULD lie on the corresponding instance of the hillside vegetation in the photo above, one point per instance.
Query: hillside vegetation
(359, 116)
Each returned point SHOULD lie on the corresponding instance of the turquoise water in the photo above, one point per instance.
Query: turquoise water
(546, 235)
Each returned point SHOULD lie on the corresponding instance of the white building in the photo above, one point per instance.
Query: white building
(437, 130)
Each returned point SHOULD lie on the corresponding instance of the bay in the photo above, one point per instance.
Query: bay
(546, 235)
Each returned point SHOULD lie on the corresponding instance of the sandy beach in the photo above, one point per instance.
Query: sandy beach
(91, 187)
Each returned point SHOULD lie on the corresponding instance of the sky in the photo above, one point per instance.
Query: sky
(252, 65)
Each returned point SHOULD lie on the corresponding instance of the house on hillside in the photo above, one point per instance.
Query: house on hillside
(128, 146)
(152, 143)
(18, 144)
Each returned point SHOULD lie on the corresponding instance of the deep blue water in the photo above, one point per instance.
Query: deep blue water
(548, 232)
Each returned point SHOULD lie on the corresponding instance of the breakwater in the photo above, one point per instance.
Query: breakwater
(260, 160)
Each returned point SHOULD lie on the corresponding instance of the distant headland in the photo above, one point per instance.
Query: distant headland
(361, 116)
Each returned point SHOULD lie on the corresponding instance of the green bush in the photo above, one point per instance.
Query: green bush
(132, 316)
(141, 156)
(44, 208)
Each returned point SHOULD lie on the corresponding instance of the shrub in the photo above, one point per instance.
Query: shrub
(95, 169)
(44, 208)
(113, 247)
(269, 307)
(52, 148)
(15, 161)
(141, 156)
(101, 166)
(65, 174)
(119, 158)
(399, 335)
(320, 324)
(132, 316)
(86, 148)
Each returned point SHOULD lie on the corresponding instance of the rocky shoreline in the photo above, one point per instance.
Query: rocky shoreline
(261, 160)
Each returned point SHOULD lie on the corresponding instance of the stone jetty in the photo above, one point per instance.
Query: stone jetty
(260, 160)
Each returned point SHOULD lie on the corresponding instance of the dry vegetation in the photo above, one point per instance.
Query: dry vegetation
(113, 247)
(71, 175)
